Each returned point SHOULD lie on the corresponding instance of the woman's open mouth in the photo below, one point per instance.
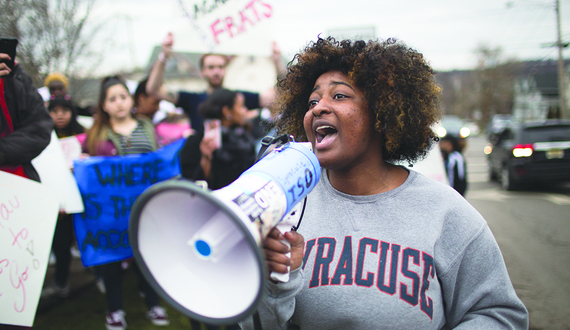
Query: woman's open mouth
(325, 135)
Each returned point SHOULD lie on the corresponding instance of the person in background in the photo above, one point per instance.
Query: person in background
(64, 116)
(223, 151)
(220, 161)
(380, 246)
(145, 104)
(171, 128)
(116, 131)
(213, 69)
(25, 125)
(57, 84)
(455, 165)
(63, 113)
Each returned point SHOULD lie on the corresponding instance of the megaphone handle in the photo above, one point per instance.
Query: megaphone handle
(278, 277)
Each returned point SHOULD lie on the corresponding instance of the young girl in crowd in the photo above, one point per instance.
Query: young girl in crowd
(64, 116)
(65, 123)
(380, 246)
(116, 131)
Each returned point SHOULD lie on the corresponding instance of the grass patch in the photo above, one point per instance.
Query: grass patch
(86, 308)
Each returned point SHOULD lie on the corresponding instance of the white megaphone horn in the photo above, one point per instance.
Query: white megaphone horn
(201, 250)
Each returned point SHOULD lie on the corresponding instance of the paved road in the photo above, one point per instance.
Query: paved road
(532, 228)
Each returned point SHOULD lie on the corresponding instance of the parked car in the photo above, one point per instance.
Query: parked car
(528, 153)
(453, 125)
(497, 124)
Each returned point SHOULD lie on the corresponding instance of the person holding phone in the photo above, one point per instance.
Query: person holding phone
(226, 148)
(222, 151)
(25, 125)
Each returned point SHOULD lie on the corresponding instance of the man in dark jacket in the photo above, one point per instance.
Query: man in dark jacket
(25, 124)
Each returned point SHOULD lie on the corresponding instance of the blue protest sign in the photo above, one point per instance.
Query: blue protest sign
(109, 187)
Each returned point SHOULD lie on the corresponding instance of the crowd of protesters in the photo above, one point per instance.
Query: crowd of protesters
(363, 106)
(123, 124)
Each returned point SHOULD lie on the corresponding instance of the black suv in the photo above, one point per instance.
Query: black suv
(531, 152)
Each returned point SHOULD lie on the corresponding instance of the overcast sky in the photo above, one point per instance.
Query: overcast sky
(447, 32)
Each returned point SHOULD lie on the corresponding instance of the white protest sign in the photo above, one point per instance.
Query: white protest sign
(55, 173)
(28, 214)
(237, 27)
(71, 149)
(432, 165)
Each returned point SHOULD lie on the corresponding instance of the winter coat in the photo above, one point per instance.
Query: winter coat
(31, 120)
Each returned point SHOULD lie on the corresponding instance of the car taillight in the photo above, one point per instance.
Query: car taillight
(522, 150)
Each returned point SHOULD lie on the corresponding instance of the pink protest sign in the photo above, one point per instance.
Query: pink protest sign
(28, 214)
(237, 27)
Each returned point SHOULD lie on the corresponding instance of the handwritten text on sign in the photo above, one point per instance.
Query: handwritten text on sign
(27, 221)
(109, 187)
(224, 19)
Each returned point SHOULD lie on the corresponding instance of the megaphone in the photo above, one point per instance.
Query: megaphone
(201, 250)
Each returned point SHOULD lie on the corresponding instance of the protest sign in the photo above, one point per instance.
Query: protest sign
(237, 27)
(109, 187)
(55, 173)
(28, 214)
(71, 148)
(431, 166)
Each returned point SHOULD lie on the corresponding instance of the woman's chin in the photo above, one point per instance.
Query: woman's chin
(326, 160)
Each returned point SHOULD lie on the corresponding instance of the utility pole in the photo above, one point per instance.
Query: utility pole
(561, 71)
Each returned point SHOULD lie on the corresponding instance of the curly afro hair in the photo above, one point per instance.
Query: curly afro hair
(397, 82)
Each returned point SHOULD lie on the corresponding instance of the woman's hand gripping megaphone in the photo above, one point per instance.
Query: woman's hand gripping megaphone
(280, 257)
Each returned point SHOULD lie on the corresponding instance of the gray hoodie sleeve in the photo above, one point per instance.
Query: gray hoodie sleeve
(278, 304)
(478, 291)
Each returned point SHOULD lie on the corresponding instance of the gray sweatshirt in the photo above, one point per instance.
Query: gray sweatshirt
(416, 257)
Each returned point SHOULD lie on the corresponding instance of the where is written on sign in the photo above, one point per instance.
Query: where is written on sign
(109, 186)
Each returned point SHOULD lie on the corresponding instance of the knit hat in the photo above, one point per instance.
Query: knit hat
(56, 76)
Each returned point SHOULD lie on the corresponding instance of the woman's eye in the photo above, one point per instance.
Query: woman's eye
(339, 96)
(312, 103)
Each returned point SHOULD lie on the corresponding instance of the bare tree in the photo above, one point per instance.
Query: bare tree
(495, 82)
(54, 35)
(482, 92)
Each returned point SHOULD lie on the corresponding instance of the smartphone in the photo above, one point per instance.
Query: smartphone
(213, 128)
(8, 46)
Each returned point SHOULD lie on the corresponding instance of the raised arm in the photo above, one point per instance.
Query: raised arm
(276, 56)
(267, 96)
(155, 85)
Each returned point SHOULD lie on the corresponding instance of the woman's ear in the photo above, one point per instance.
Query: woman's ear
(226, 112)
